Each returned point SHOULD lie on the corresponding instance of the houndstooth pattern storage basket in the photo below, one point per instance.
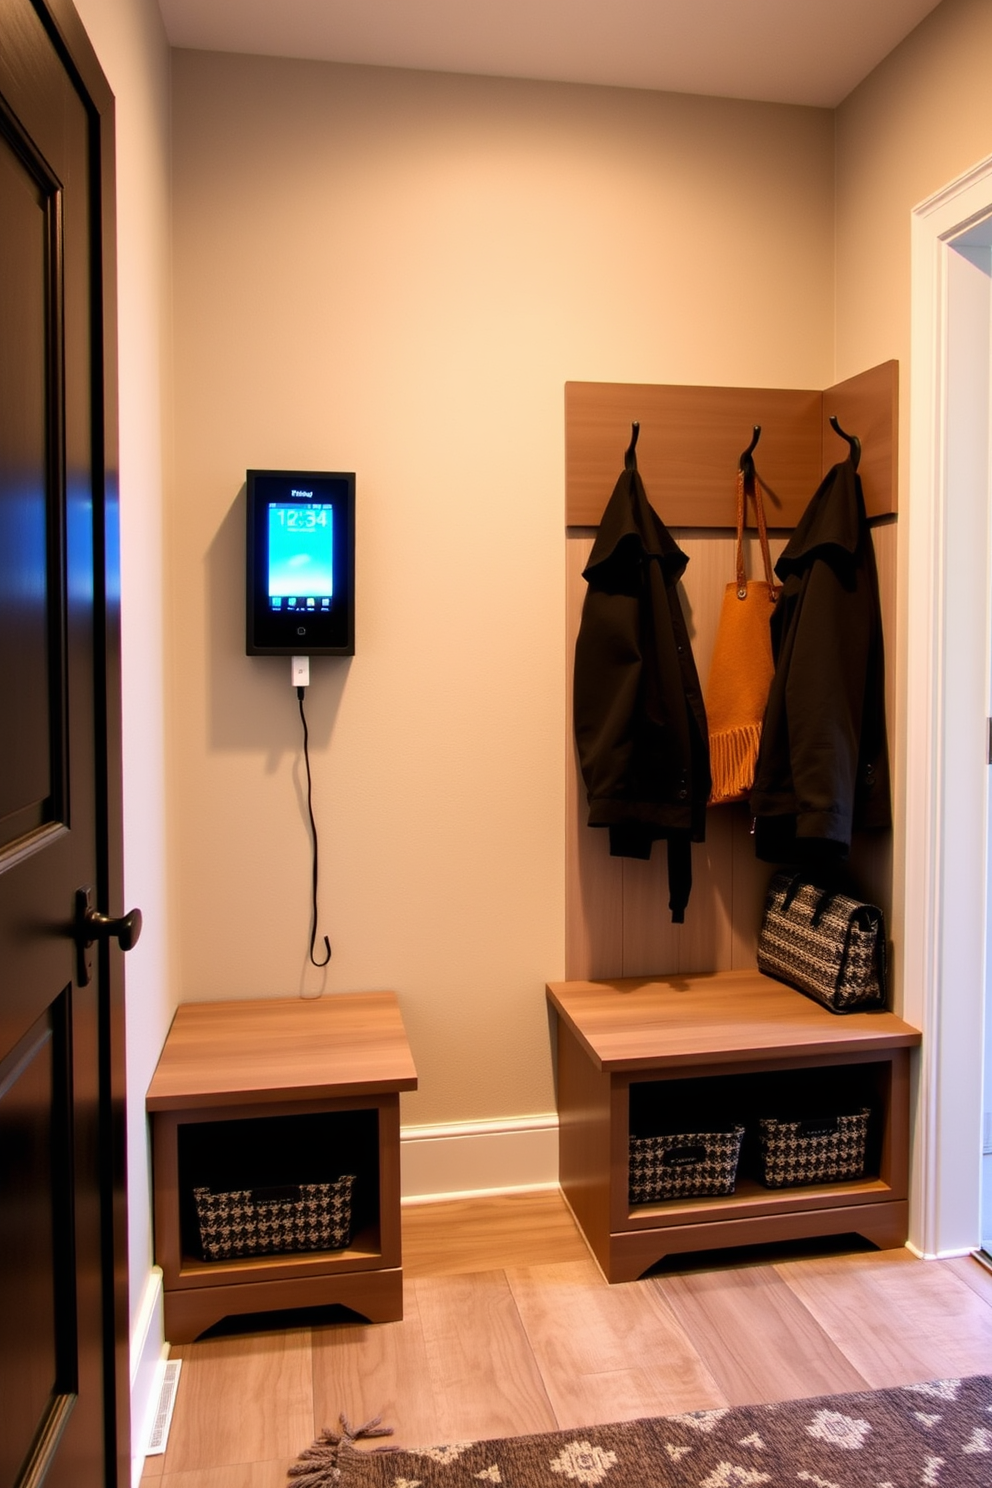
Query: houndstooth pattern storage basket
(688, 1165)
(827, 945)
(824, 1149)
(270, 1221)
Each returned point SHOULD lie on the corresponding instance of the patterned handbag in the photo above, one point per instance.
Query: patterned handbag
(689, 1165)
(271, 1221)
(818, 1149)
(827, 945)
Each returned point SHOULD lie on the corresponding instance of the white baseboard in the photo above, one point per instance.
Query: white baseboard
(479, 1157)
(938, 1255)
(149, 1352)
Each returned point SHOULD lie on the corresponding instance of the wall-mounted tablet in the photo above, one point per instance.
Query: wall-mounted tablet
(301, 563)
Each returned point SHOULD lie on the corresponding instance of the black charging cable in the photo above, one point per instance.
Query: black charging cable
(300, 693)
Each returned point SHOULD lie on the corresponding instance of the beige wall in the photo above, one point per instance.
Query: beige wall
(396, 273)
(918, 121)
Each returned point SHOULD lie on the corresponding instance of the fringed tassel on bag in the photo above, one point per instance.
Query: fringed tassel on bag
(317, 1467)
(733, 756)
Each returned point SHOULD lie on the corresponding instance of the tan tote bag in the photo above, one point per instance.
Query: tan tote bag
(742, 667)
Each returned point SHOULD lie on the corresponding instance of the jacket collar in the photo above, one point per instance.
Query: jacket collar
(834, 518)
(629, 519)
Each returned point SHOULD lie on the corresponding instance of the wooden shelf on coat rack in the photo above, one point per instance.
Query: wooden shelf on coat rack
(691, 439)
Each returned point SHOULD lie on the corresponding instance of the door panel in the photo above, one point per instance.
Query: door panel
(37, 1304)
(61, 1304)
(28, 521)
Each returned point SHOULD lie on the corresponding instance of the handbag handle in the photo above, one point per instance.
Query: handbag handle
(798, 881)
(748, 486)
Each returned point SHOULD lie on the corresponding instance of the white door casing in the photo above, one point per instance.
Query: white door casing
(949, 576)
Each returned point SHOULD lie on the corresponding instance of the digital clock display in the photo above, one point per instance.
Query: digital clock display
(300, 563)
(301, 555)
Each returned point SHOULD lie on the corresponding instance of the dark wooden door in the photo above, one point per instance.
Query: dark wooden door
(63, 1415)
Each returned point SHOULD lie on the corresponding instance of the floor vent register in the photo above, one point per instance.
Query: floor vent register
(159, 1437)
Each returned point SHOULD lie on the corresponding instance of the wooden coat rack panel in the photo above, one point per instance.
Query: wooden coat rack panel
(691, 439)
(616, 918)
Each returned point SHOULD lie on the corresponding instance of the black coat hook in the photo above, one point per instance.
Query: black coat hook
(630, 458)
(852, 440)
(746, 464)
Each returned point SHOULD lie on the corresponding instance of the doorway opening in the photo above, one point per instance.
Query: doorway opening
(969, 436)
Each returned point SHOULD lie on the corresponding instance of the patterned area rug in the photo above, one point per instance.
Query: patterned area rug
(933, 1435)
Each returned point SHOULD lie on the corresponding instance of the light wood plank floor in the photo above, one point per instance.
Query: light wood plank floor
(509, 1328)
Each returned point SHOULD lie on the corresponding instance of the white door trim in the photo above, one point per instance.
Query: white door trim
(949, 580)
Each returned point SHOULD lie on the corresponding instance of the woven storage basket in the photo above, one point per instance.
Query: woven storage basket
(683, 1166)
(825, 1149)
(270, 1221)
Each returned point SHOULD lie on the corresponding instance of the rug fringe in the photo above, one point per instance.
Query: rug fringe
(317, 1467)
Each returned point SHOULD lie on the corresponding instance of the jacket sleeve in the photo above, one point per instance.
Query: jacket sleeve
(824, 701)
(607, 681)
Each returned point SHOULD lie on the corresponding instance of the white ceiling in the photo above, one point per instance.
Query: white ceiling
(784, 51)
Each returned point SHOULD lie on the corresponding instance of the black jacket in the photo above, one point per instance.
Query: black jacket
(640, 725)
(823, 765)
